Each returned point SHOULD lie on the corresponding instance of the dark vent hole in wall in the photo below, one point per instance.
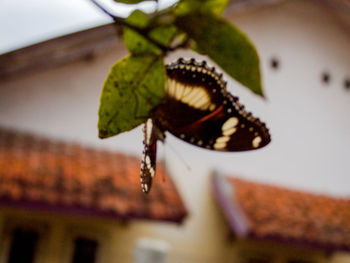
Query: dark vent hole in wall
(347, 84)
(326, 78)
(274, 63)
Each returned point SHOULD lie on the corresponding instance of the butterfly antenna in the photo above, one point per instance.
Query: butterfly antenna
(188, 167)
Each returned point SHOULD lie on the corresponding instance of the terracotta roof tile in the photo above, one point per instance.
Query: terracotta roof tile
(275, 213)
(45, 174)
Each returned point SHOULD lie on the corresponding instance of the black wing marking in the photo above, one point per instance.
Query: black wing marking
(199, 110)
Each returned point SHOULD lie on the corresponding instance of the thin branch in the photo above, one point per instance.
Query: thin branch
(123, 22)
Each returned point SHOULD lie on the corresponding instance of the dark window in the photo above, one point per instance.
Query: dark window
(84, 250)
(23, 246)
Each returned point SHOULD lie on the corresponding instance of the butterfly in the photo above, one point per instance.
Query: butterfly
(198, 109)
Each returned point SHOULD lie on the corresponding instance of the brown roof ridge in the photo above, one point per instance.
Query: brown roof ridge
(84, 44)
(31, 135)
(43, 174)
(279, 214)
(290, 189)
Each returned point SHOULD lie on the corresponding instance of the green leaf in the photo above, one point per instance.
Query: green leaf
(226, 45)
(132, 1)
(185, 7)
(164, 34)
(215, 6)
(134, 42)
(132, 89)
(137, 44)
(138, 18)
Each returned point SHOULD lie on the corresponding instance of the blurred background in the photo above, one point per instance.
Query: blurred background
(67, 196)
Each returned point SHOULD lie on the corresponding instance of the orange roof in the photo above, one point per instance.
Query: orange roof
(273, 213)
(62, 177)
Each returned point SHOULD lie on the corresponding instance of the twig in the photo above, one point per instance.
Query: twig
(123, 22)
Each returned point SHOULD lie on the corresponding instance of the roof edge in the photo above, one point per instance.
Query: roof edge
(326, 247)
(85, 212)
(81, 45)
(226, 200)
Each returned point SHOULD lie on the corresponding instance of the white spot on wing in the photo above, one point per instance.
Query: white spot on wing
(194, 96)
(195, 92)
(229, 132)
(221, 142)
(151, 170)
(230, 123)
(200, 102)
(228, 128)
(148, 161)
(219, 146)
(222, 139)
(171, 86)
(149, 126)
(256, 142)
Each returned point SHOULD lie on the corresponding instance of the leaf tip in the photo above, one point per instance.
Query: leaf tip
(263, 97)
(102, 134)
(260, 93)
(257, 88)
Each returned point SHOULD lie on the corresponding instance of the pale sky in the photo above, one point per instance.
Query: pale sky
(25, 22)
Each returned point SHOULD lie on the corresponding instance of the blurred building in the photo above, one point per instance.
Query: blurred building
(268, 223)
(61, 202)
(65, 193)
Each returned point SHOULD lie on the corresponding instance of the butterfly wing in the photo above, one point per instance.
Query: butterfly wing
(149, 159)
(198, 109)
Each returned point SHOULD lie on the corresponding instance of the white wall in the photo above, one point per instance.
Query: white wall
(309, 121)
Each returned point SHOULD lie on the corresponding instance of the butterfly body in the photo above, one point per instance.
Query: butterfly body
(198, 109)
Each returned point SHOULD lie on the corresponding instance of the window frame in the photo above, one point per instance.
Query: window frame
(11, 224)
(74, 232)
